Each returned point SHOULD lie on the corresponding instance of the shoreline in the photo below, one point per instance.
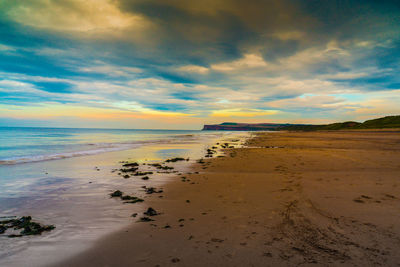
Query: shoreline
(325, 198)
(74, 195)
(93, 148)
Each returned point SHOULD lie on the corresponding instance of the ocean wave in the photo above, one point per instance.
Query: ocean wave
(63, 155)
(87, 149)
(96, 148)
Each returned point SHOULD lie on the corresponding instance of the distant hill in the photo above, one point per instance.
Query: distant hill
(232, 126)
(381, 123)
(386, 122)
(332, 126)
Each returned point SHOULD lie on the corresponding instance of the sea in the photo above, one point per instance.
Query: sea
(25, 144)
(64, 177)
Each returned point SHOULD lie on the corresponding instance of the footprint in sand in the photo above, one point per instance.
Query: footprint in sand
(362, 199)
(175, 260)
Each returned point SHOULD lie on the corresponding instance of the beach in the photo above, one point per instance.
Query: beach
(286, 198)
(64, 177)
(199, 133)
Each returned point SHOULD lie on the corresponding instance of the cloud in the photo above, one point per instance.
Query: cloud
(248, 61)
(193, 69)
(310, 101)
(378, 105)
(6, 48)
(113, 71)
(240, 113)
(201, 60)
(289, 35)
(73, 15)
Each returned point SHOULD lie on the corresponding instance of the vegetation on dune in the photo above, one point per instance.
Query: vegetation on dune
(386, 122)
(381, 123)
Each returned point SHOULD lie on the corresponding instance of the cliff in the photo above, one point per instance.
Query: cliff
(231, 126)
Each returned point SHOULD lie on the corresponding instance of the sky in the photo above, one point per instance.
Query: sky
(179, 64)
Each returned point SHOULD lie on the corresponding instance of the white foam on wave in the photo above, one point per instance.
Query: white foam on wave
(63, 155)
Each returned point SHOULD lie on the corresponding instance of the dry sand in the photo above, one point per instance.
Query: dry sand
(290, 198)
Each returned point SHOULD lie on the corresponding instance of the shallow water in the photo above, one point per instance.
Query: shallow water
(25, 144)
(73, 194)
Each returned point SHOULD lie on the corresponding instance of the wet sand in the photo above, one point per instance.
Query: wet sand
(289, 198)
(74, 195)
